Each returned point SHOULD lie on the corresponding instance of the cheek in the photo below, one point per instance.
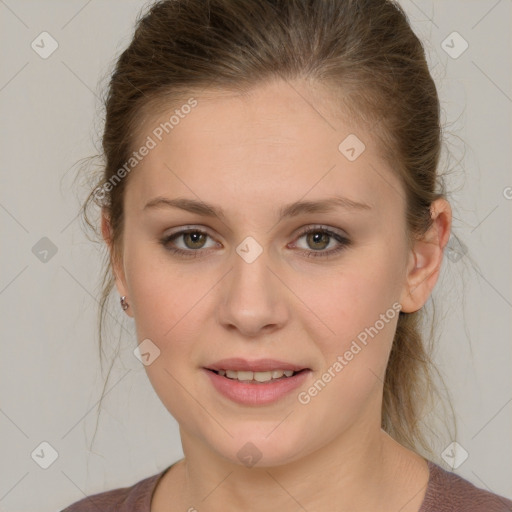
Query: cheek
(347, 300)
(358, 308)
(161, 291)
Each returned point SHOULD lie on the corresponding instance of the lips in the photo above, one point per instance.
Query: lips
(256, 392)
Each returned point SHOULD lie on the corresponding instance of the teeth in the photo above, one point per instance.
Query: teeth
(244, 375)
(257, 376)
(262, 376)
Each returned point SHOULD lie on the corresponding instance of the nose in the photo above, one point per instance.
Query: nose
(253, 299)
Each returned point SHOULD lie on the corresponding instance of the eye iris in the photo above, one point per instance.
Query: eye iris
(194, 236)
(317, 237)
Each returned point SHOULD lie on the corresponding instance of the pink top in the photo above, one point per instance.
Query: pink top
(446, 492)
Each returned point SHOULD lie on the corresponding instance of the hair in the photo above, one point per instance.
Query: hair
(364, 53)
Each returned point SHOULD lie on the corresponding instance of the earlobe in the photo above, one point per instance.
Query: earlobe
(426, 258)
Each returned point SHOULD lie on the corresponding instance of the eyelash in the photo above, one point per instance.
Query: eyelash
(191, 253)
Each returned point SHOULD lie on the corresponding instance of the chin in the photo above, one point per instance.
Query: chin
(252, 448)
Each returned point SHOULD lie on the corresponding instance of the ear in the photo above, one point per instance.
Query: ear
(117, 268)
(426, 257)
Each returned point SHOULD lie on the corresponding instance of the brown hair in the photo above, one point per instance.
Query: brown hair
(363, 51)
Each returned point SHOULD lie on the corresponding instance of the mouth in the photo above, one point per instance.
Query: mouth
(256, 383)
(257, 377)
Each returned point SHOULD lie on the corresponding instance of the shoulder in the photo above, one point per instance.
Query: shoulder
(134, 498)
(449, 492)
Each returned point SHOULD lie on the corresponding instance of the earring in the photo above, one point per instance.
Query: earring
(124, 304)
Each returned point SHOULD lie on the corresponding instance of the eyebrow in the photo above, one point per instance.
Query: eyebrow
(287, 211)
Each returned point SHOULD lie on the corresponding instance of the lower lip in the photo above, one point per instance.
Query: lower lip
(260, 393)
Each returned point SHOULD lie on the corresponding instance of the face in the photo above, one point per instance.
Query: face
(251, 284)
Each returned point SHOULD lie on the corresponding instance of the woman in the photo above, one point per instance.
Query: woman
(271, 210)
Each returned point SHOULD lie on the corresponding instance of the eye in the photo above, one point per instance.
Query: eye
(320, 238)
(194, 240)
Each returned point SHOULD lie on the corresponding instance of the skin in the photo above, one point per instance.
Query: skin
(251, 154)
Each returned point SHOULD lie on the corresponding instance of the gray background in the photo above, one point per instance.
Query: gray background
(50, 375)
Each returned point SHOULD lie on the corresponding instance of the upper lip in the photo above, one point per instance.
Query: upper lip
(254, 365)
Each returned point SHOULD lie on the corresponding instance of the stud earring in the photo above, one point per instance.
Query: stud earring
(124, 304)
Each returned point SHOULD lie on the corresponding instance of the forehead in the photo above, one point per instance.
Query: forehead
(280, 140)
